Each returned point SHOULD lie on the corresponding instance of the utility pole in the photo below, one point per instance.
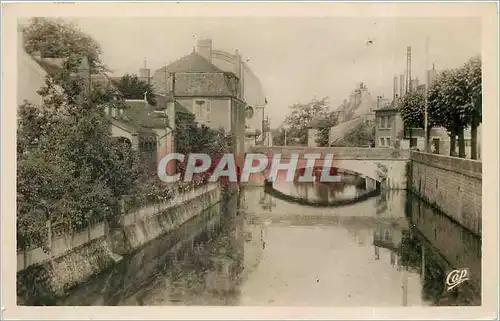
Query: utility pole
(285, 136)
(426, 102)
(408, 69)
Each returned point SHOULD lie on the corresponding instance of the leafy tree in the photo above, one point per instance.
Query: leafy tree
(412, 111)
(70, 169)
(298, 120)
(455, 99)
(447, 102)
(57, 38)
(323, 136)
(190, 137)
(474, 108)
(134, 88)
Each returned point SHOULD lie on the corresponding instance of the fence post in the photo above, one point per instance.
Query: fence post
(88, 230)
(25, 257)
(49, 237)
(106, 228)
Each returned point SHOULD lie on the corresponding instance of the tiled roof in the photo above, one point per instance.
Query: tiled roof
(204, 84)
(142, 114)
(127, 125)
(193, 62)
(337, 133)
(161, 105)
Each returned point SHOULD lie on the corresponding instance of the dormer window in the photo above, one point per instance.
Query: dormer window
(249, 112)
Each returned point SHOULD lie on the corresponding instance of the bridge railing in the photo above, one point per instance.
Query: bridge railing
(338, 152)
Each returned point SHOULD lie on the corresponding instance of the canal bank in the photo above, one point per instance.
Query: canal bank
(265, 251)
(45, 281)
(450, 184)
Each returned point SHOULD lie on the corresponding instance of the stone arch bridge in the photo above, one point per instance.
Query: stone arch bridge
(384, 165)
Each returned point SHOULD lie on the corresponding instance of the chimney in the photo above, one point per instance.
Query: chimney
(145, 74)
(238, 71)
(395, 88)
(415, 83)
(204, 48)
(401, 85)
(431, 74)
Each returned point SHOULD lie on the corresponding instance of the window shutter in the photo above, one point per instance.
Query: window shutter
(208, 113)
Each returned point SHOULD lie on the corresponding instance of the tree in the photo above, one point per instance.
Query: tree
(296, 123)
(134, 88)
(323, 136)
(412, 111)
(474, 108)
(57, 38)
(70, 169)
(447, 99)
(190, 137)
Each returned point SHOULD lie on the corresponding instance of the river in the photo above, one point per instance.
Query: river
(387, 250)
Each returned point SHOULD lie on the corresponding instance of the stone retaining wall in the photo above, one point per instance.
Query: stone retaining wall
(43, 282)
(452, 185)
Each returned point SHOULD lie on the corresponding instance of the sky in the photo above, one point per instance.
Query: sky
(297, 58)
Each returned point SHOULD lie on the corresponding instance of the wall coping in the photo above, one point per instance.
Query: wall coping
(350, 153)
(468, 167)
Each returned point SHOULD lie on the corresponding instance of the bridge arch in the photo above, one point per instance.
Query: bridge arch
(385, 166)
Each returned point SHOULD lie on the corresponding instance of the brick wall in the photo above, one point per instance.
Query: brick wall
(453, 185)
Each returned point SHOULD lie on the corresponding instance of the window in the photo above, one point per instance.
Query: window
(384, 142)
(202, 110)
(198, 107)
(382, 122)
(385, 122)
(413, 142)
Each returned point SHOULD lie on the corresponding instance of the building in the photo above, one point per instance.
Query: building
(352, 113)
(251, 88)
(137, 124)
(219, 88)
(389, 127)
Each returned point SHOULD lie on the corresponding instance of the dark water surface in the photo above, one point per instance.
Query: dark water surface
(389, 250)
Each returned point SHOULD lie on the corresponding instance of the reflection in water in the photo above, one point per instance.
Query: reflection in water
(350, 187)
(272, 252)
